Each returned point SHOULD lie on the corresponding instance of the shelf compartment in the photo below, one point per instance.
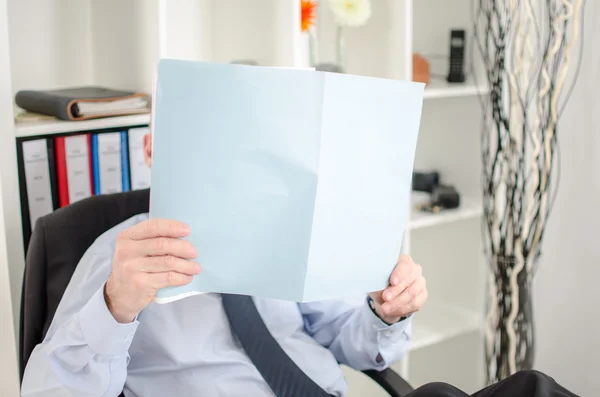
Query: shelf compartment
(439, 322)
(374, 49)
(84, 42)
(222, 31)
(469, 208)
(442, 89)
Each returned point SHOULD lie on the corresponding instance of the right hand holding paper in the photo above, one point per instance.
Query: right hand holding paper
(295, 183)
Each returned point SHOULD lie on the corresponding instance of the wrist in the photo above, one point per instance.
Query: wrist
(121, 315)
(100, 331)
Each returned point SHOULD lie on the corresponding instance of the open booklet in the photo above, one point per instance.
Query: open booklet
(295, 183)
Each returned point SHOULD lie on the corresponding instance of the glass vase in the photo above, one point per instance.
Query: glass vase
(308, 49)
(509, 328)
(340, 48)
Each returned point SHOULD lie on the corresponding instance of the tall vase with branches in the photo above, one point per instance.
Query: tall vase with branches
(527, 49)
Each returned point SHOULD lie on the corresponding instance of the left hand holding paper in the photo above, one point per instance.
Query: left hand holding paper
(406, 293)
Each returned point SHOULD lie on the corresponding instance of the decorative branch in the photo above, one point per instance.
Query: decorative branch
(526, 51)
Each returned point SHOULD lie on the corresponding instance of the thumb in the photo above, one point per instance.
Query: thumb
(377, 297)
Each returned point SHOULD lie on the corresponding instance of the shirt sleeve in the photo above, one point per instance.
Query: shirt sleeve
(355, 335)
(85, 352)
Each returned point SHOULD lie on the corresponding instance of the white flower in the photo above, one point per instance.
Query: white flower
(350, 12)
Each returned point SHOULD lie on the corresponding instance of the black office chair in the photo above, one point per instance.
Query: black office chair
(57, 244)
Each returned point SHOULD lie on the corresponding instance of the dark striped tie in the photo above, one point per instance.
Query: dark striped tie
(284, 377)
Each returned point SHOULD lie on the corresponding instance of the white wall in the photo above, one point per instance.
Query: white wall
(9, 380)
(567, 301)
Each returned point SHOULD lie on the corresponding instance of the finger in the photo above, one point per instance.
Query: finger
(156, 227)
(406, 297)
(168, 279)
(404, 264)
(406, 310)
(403, 268)
(160, 246)
(166, 263)
(376, 296)
(406, 276)
(414, 305)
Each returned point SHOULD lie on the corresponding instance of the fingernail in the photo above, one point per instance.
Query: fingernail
(395, 281)
(198, 268)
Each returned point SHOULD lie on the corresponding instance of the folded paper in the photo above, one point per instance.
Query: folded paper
(295, 183)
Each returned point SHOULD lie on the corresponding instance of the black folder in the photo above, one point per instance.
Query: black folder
(81, 103)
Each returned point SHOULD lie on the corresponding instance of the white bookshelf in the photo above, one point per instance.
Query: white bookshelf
(439, 322)
(52, 127)
(117, 43)
(441, 89)
(9, 380)
(470, 208)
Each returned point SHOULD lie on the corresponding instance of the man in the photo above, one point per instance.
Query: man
(108, 336)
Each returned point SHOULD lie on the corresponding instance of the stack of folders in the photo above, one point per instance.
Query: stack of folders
(57, 171)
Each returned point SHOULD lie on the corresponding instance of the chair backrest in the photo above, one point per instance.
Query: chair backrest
(58, 242)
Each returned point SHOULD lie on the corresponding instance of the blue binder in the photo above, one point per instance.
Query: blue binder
(125, 162)
(95, 164)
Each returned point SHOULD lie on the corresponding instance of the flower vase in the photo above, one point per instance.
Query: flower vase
(509, 338)
(308, 49)
(304, 50)
(340, 50)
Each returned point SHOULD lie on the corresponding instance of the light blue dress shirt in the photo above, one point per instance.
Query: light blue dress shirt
(186, 348)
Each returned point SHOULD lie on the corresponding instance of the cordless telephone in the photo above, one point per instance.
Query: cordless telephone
(456, 73)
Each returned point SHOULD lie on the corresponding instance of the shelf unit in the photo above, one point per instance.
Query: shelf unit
(469, 208)
(116, 43)
(441, 89)
(53, 127)
(439, 322)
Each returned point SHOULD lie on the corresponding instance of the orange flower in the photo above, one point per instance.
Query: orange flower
(309, 13)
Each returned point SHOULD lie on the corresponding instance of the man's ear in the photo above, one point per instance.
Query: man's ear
(148, 149)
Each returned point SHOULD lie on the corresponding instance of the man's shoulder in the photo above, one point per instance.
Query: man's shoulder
(91, 272)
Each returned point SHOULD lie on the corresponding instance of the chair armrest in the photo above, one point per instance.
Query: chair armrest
(391, 382)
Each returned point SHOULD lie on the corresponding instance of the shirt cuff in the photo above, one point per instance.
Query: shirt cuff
(392, 340)
(102, 333)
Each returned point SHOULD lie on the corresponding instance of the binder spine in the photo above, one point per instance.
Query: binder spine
(61, 171)
(91, 163)
(52, 170)
(96, 164)
(125, 162)
(26, 206)
(25, 217)
(44, 103)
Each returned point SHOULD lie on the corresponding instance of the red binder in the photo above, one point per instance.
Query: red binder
(62, 172)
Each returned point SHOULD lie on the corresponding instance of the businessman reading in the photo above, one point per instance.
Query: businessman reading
(108, 337)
